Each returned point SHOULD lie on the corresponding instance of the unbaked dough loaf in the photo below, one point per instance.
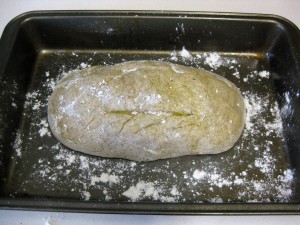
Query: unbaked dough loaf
(146, 110)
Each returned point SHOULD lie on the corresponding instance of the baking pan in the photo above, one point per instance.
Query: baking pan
(259, 53)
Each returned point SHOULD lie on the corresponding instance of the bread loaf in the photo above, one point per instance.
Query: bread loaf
(146, 110)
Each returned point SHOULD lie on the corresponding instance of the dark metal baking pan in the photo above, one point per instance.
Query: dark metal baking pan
(259, 53)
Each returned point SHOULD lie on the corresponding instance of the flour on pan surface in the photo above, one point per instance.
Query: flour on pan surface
(250, 172)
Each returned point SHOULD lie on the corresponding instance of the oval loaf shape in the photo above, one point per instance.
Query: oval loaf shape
(146, 110)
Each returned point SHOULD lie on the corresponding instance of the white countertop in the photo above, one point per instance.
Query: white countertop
(9, 9)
